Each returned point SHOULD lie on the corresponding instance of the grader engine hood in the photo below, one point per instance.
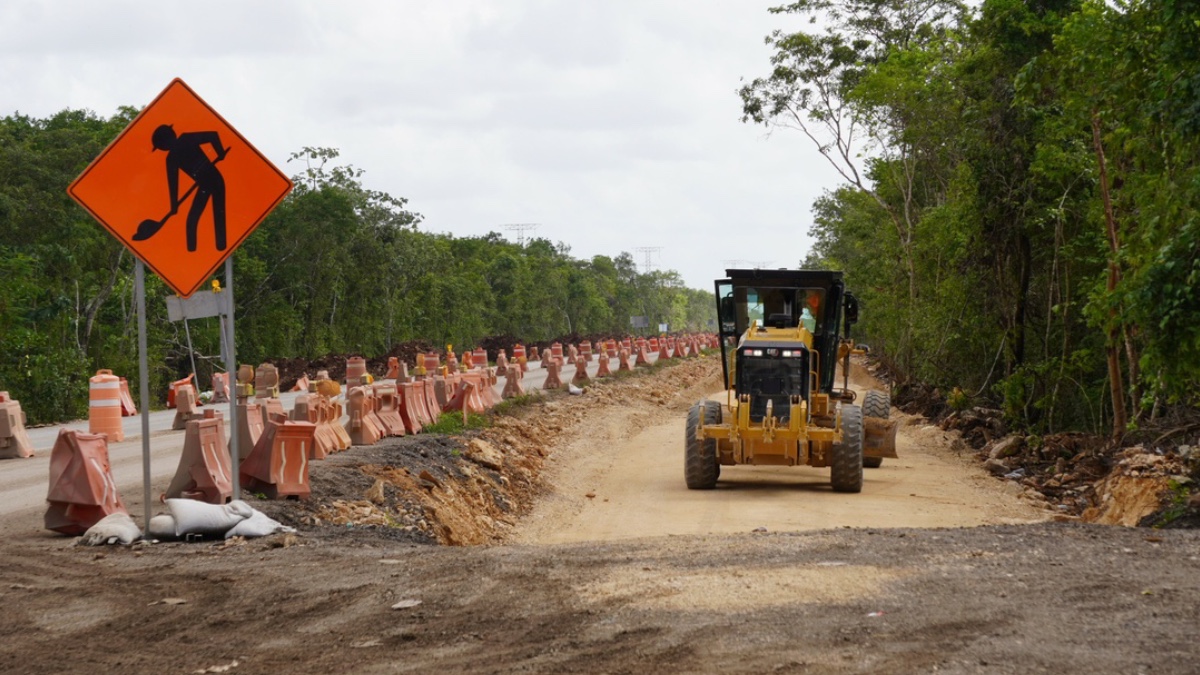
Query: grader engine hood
(773, 365)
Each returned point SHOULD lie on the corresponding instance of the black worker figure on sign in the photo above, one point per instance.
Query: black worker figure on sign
(185, 152)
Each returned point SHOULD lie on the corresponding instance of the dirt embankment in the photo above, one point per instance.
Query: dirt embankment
(1149, 479)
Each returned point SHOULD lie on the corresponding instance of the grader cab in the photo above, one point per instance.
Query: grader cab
(782, 333)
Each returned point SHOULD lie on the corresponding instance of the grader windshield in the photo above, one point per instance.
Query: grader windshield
(782, 299)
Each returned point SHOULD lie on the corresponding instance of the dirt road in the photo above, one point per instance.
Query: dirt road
(624, 480)
(658, 579)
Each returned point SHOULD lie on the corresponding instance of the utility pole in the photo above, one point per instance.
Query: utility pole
(521, 229)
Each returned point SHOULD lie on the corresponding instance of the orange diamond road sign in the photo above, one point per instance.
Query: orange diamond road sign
(181, 188)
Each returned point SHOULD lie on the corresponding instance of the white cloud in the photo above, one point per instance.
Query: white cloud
(613, 124)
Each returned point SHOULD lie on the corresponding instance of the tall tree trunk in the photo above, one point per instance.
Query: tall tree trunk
(1024, 279)
(1112, 344)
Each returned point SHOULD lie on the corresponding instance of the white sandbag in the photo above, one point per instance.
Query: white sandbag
(115, 528)
(162, 526)
(202, 518)
(258, 525)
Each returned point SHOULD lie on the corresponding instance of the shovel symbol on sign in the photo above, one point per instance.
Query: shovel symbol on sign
(185, 153)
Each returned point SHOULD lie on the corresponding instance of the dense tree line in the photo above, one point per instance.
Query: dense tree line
(336, 268)
(1022, 177)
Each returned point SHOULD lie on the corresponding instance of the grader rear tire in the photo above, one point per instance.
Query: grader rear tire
(876, 404)
(846, 467)
(700, 468)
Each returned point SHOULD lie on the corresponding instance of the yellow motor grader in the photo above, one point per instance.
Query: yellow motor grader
(782, 333)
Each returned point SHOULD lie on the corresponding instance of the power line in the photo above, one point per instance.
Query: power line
(521, 229)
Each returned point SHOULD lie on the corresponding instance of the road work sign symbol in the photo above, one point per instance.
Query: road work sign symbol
(181, 188)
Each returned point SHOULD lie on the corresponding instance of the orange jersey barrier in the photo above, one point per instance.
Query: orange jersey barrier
(14, 440)
(205, 472)
(278, 464)
(512, 383)
(128, 409)
(361, 426)
(185, 407)
(82, 490)
(602, 368)
(388, 412)
(581, 375)
(552, 379)
(250, 427)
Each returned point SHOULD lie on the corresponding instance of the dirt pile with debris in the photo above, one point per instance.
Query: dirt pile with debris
(1078, 476)
(470, 489)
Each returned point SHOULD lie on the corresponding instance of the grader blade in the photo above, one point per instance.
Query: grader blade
(880, 438)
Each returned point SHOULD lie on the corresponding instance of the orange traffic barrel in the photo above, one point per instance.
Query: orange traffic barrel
(104, 405)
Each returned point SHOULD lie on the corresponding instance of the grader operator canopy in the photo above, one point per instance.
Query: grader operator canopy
(810, 299)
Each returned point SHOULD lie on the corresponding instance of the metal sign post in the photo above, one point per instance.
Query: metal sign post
(143, 382)
(231, 368)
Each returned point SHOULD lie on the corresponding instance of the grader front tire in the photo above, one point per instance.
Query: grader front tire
(700, 468)
(846, 468)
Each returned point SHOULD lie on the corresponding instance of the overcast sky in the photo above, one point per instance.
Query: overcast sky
(612, 124)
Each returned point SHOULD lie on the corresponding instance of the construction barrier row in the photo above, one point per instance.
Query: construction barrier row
(275, 449)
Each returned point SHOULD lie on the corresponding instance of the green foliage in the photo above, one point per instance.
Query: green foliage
(971, 223)
(451, 423)
(509, 405)
(958, 399)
